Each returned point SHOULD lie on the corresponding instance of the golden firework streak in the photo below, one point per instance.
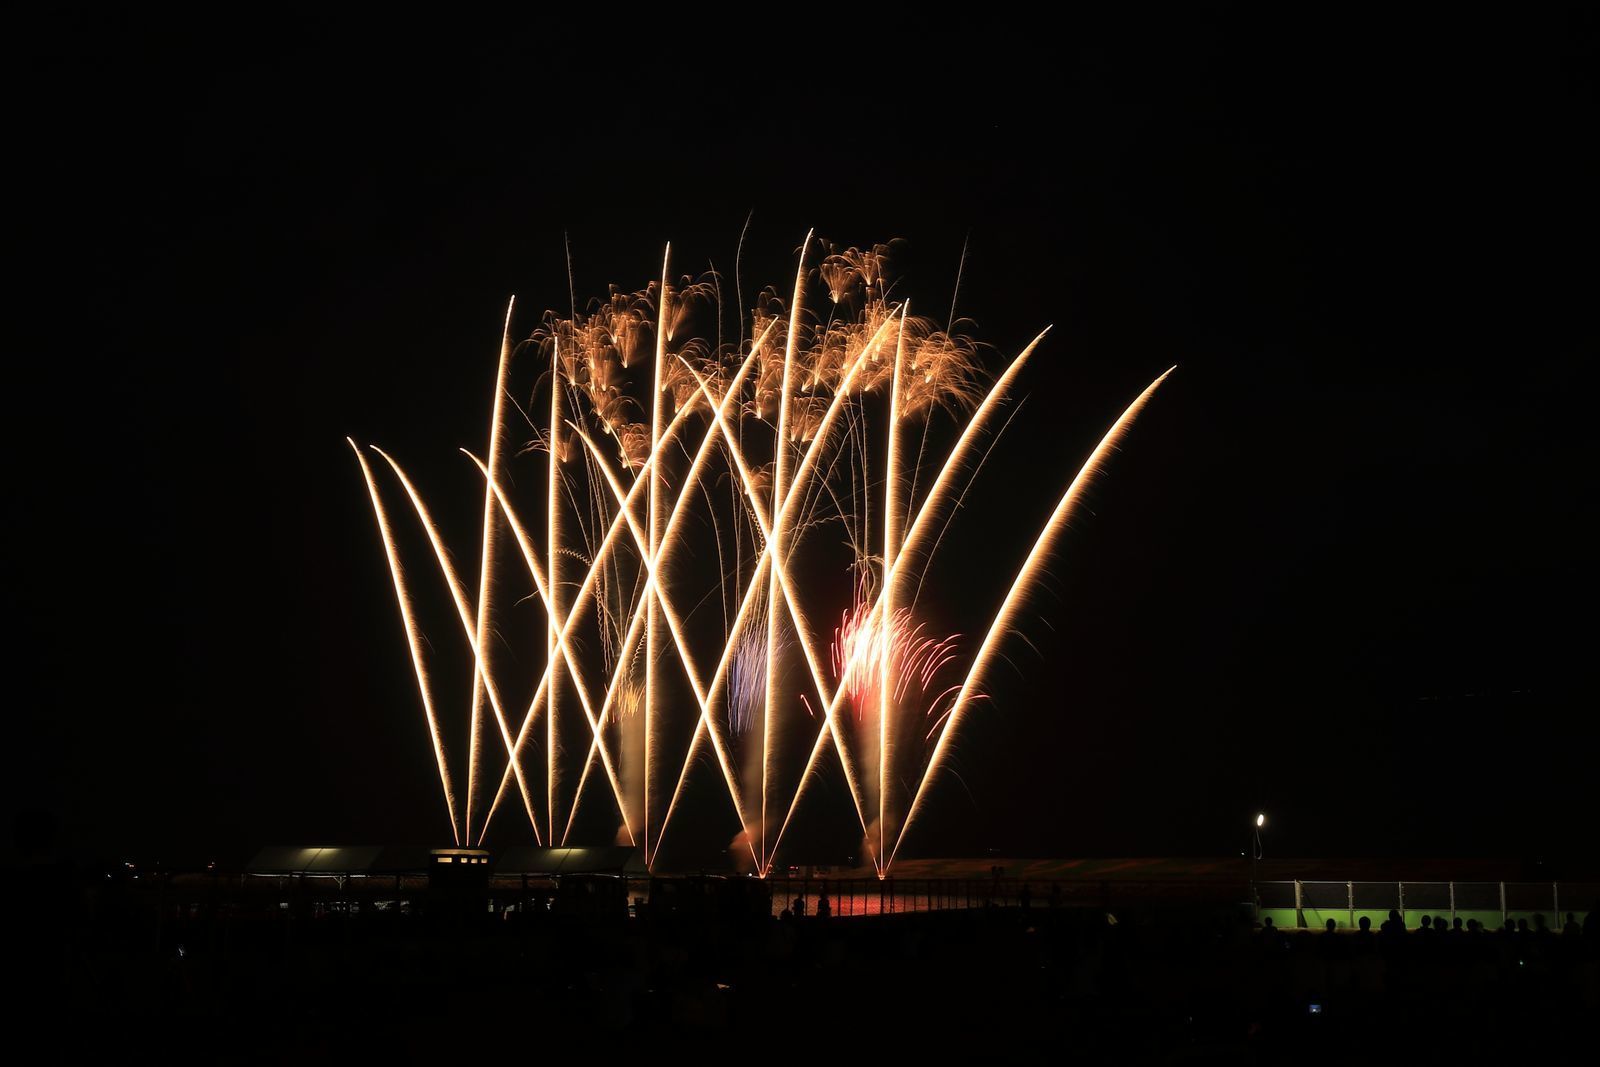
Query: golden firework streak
(791, 509)
(824, 368)
(891, 512)
(652, 549)
(921, 528)
(413, 639)
(667, 541)
(1005, 618)
(458, 592)
(607, 545)
(530, 556)
(481, 669)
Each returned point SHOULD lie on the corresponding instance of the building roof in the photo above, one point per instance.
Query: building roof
(337, 859)
(615, 859)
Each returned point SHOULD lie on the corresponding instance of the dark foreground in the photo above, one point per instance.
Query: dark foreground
(1168, 985)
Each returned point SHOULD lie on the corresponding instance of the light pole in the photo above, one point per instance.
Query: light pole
(1255, 855)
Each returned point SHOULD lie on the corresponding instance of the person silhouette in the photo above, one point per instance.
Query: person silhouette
(1271, 936)
(824, 909)
(1329, 944)
(1362, 941)
(800, 906)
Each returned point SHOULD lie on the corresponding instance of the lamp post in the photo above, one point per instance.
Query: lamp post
(1255, 855)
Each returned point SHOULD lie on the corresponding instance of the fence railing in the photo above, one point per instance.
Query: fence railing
(892, 896)
(1310, 904)
(872, 896)
(1290, 904)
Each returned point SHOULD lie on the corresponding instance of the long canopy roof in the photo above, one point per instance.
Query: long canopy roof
(615, 859)
(337, 859)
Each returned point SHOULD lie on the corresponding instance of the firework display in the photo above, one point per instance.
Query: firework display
(728, 550)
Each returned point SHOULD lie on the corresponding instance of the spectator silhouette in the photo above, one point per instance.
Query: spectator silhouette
(824, 909)
(800, 906)
(1363, 935)
(1393, 925)
(1271, 936)
(1571, 929)
(1329, 945)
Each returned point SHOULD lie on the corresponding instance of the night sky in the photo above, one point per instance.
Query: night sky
(1342, 572)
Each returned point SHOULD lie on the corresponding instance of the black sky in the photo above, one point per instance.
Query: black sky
(1343, 570)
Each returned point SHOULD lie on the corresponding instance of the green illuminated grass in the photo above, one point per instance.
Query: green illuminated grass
(1316, 918)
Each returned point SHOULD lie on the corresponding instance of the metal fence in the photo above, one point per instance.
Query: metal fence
(891, 896)
(1302, 904)
(1290, 904)
(1297, 904)
(872, 896)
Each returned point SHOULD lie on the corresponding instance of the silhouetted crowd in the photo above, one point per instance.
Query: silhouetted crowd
(1357, 959)
(1171, 982)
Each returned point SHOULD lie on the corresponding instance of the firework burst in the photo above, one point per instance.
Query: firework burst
(695, 497)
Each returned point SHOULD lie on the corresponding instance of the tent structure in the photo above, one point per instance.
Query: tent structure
(617, 860)
(338, 860)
